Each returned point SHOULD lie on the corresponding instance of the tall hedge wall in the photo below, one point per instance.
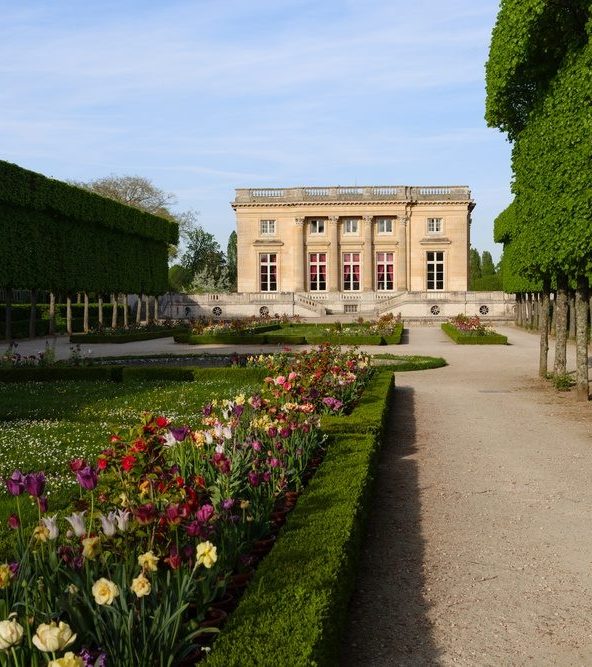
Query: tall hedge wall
(58, 237)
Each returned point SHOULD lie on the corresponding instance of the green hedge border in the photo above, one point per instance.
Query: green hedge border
(127, 373)
(95, 339)
(461, 338)
(295, 609)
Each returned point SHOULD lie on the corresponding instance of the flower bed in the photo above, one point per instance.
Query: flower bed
(165, 515)
(295, 608)
(466, 330)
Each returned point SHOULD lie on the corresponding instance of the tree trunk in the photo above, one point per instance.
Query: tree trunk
(85, 326)
(581, 307)
(52, 313)
(8, 318)
(139, 309)
(78, 299)
(33, 313)
(519, 309)
(560, 365)
(571, 315)
(69, 315)
(156, 310)
(553, 312)
(537, 310)
(544, 325)
(100, 314)
(114, 311)
(125, 312)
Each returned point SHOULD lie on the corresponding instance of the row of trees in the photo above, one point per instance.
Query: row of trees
(484, 276)
(539, 92)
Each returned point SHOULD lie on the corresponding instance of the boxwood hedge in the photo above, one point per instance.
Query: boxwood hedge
(462, 338)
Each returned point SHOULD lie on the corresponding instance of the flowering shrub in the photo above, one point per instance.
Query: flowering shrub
(470, 325)
(11, 357)
(245, 325)
(165, 514)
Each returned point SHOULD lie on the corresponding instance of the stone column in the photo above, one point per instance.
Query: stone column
(333, 254)
(299, 263)
(368, 256)
(402, 255)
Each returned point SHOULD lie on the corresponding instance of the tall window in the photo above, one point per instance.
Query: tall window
(350, 226)
(351, 271)
(384, 225)
(434, 225)
(385, 271)
(317, 226)
(317, 271)
(267, 226)
(268, 272)
(435, 270)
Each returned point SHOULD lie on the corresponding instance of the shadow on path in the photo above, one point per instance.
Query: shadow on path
(388, 622)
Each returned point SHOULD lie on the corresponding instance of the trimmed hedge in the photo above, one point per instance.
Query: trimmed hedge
(53, 373)
(127, 373)
(295, 609)
(461, 338)
(122, 337)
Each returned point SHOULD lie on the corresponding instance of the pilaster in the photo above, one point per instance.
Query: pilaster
(299, 276)
(368, 255)
(402, 222)
(334, 263)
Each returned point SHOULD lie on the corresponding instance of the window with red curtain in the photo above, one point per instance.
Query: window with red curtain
(317, 273)
(351, 271)
(385, 271)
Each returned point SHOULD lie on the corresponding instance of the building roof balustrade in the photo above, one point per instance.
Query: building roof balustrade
(403, 193)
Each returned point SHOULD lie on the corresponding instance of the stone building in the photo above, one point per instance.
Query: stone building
(375, 241)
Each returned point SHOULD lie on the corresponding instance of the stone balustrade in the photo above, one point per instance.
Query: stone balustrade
(353, 193)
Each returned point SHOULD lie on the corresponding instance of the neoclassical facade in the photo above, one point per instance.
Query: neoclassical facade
(375, 241)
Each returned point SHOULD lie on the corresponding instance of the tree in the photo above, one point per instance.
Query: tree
(231, 261)
(179, 278)
(135, 191)
(204, 281)
(487, 265)
(474, 267)
(203, 254)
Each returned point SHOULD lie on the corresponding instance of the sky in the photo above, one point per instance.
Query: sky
(205, 96)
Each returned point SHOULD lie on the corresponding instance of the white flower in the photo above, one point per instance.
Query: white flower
(51, 523)
(108, 524)
(122, 518)
(51, 637)
(208, 437)
(11, 633)
(169, 440)
(219, 449)
(227, 432)
(218, 430)
(76, 520)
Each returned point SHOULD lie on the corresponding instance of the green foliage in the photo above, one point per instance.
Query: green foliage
(488, 284)
(462, 338)
(295, 609)
(232, 259)
(179, 278)
(563, 382)
(61, 238)
(530, 40)
(400, 363)
(487, 265)
(203, 254)
(474, 266)
(122, 337)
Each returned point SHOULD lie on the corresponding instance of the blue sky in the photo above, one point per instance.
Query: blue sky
(203, 96)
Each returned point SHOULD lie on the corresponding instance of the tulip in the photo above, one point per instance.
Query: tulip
(206, 554)
(51, 523)
(148, 561)
(77, 464)
(87, 478)
(51, 637)
(76, 520)
(205, 513)
(108, 524)
(180, 433)
(69, 659)
(16, 483)
(14, 522)
(105, 591)
(34, 484)
(11, 634)
(141, 585)
(122, 518)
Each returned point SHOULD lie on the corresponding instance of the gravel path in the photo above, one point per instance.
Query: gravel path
(479, 547)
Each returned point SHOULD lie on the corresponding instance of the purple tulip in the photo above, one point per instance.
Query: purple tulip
(238, 410)
(253, 478)
(227, 503)
(34, 484)
(193, 529)
(87, 478)
(204, 513)
(285, 432)
(42, 503)
(207, 410)
(272, 431)
(16, 483)
(180, 433)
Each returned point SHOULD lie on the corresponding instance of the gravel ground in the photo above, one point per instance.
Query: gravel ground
(479, 547)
